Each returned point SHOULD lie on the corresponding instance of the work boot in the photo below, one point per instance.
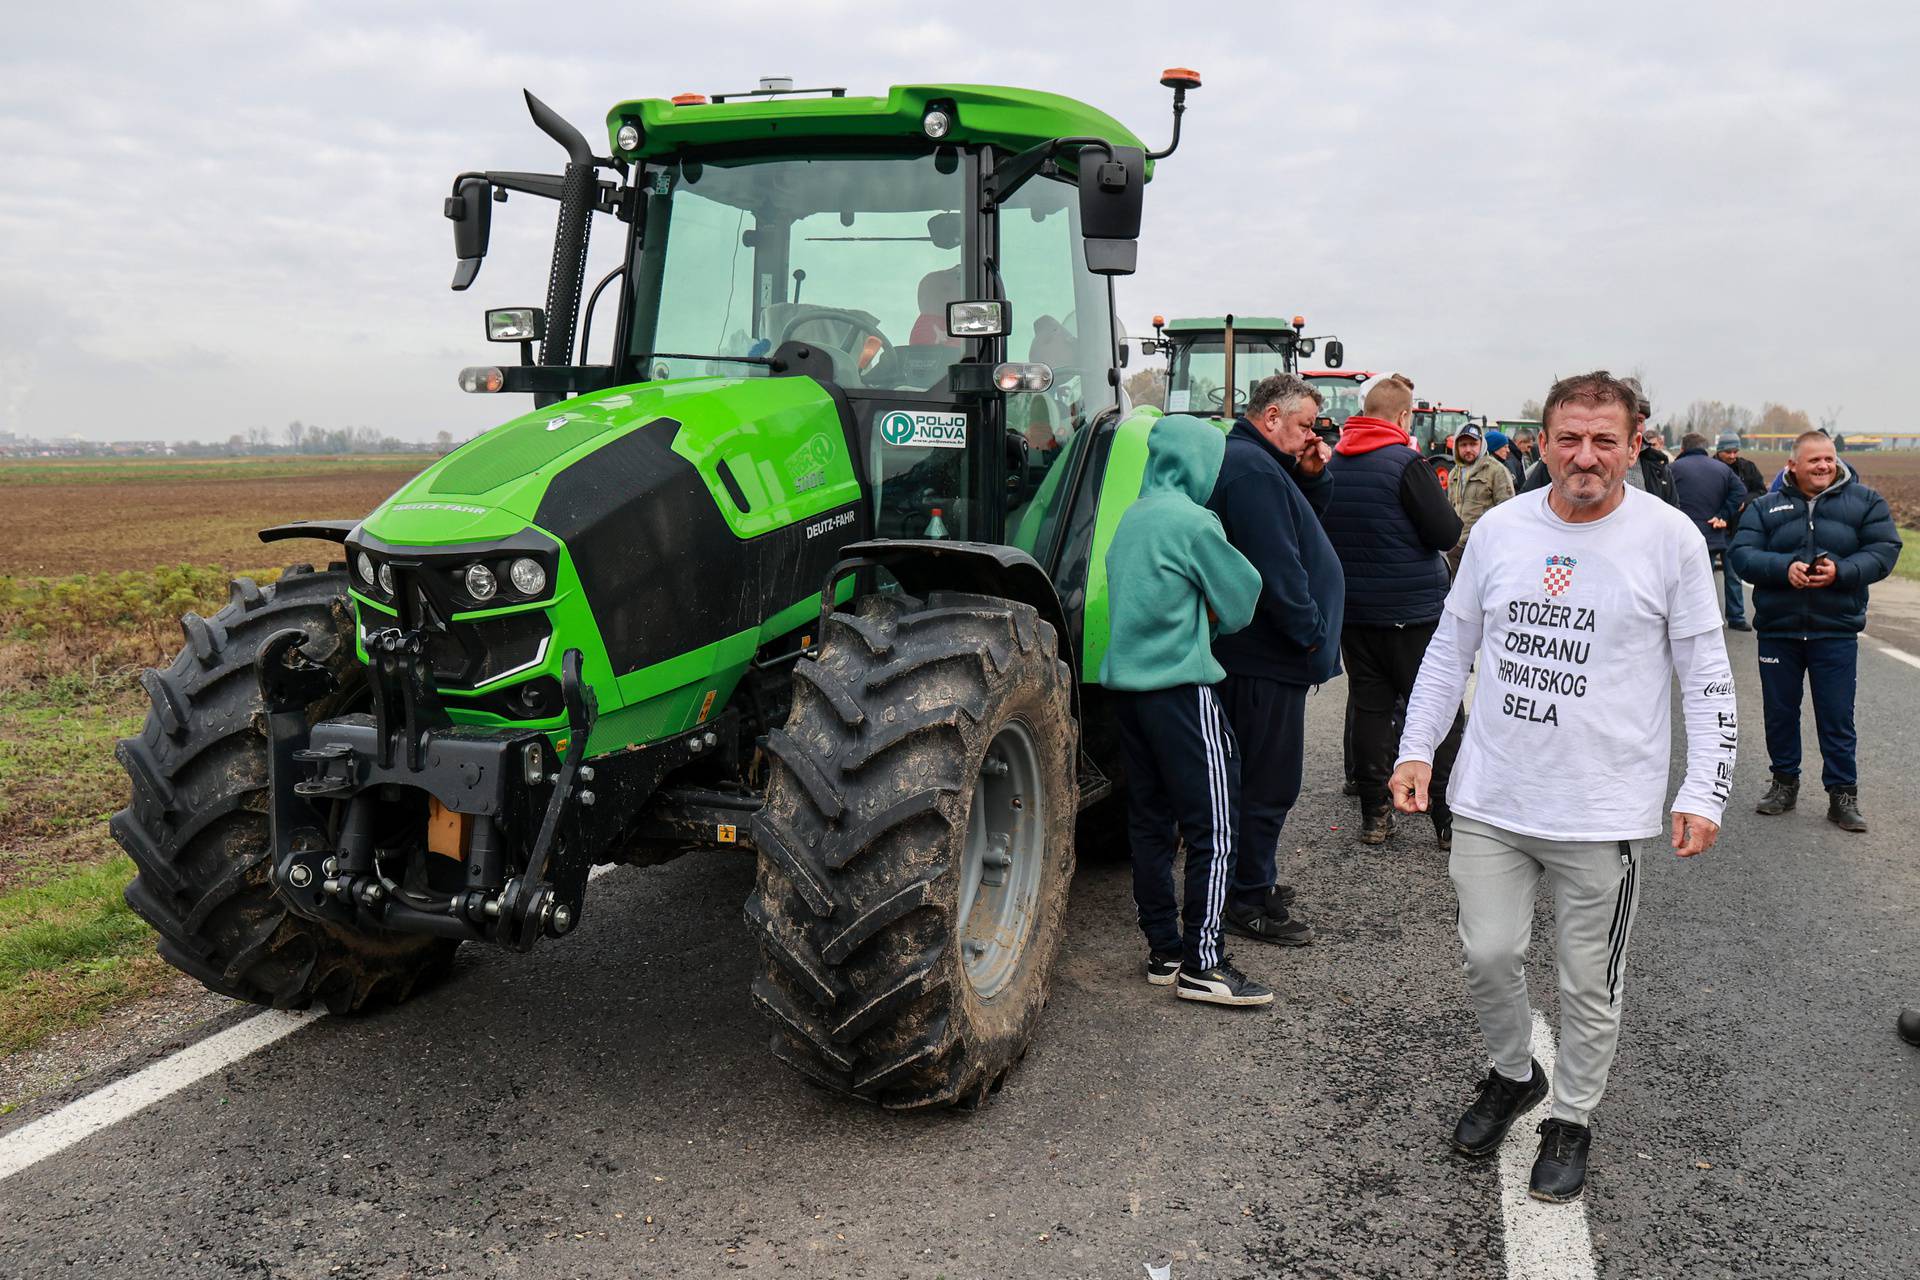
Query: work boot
(1376, 824)
(1909, 1026)
(1500, 1102)
(1265, 926)
(1843, 809)
(1780, 797)
(1560, 1170)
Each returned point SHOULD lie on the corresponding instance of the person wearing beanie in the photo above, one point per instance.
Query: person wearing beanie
(1727, 450)
(1711, 496)
(1581, 605)
(1501, 450)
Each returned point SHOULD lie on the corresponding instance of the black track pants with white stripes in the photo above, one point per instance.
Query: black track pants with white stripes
(1183, 782)
(1596, 884)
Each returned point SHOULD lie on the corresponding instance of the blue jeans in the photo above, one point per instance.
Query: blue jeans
(1736, 603)
(1827, 664)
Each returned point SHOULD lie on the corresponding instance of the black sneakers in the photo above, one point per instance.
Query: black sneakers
(1781, 796)
(1265, 926)
(1909, 1026)
(1161, 966)
(1279, 898)
(1560, 1170)
(1222, 984)
(1501, 1102)
(1843, 809)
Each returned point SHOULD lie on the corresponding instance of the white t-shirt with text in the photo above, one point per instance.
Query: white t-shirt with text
(1569, 732)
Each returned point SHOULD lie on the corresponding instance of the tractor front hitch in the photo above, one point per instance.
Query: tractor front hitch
(342, 790)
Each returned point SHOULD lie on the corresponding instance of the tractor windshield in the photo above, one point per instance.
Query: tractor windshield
(1342, 398)
(857, 255)
(1200, 371)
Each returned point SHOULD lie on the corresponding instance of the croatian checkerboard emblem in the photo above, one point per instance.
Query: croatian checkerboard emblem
(1559, 574)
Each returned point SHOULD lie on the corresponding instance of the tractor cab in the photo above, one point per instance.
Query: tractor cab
(1213, 362)
(1344, 390)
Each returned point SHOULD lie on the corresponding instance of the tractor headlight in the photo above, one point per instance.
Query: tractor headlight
(628, 138)
(528, 578)
(364, 563)
(936, 122)
(386, 578)
(480, 582)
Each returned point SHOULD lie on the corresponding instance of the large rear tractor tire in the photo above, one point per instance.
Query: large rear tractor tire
(916, 847)
(197, 825)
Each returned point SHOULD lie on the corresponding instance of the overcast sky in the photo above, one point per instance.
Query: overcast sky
(214, 217)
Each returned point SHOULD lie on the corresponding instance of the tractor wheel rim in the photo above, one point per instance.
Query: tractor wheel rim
(1004, 859)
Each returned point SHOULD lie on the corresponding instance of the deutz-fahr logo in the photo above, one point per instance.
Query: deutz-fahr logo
(924, 430)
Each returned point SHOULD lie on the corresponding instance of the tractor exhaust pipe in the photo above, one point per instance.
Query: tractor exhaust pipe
(568, 274)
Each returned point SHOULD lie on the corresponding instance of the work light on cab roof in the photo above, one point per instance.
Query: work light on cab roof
(809, 564)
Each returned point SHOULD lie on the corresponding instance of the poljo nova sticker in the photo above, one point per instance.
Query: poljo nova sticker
(924, 430)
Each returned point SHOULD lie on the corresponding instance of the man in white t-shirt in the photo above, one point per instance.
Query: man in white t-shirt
(1582, 601)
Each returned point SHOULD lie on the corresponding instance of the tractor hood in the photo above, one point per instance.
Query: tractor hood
(521, 472)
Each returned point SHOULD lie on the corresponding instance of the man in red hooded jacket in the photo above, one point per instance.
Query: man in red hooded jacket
(1389, 521)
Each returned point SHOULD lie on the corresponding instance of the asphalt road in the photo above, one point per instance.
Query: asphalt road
(606, 1107)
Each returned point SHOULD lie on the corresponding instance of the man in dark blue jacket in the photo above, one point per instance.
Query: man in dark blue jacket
(1272, 486)
(1389, 521)
(1710, 494)
(1811, 550)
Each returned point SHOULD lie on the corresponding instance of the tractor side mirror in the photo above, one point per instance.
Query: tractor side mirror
(1336, 354)
(470, 209)
(1111, 188)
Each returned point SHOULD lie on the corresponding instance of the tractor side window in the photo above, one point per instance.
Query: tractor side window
(1062, 318)
(706, 289)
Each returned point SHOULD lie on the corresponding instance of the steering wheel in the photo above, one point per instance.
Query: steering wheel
(859, 324)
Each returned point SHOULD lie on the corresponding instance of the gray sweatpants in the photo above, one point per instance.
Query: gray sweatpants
(1595, 886)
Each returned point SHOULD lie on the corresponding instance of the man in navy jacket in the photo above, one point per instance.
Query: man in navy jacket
(1710, 493)
(1810, 550)
(1272, 486)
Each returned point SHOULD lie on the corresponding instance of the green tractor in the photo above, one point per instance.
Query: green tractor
(1213, 362)
(810, 567)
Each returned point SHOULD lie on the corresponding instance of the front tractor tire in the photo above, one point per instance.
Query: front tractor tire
(197, 829)
(915, 848)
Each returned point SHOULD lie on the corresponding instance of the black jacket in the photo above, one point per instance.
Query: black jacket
(1750, 477)
(1708, 491)
(1390, 521)
(1271, 513)
(1848, 521)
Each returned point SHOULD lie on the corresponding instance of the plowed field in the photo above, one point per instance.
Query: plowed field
(65, 518)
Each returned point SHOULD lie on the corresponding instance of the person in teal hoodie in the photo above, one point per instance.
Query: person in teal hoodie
(1175, 583)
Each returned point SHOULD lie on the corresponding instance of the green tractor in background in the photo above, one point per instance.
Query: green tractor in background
(811, 565)
(1213, 362)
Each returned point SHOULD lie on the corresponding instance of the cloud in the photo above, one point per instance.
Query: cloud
(230, 215)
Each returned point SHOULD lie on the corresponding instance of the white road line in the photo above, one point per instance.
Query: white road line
(82, 1118)
(1544, 1241)
(52, 1134)
(1898, 655)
